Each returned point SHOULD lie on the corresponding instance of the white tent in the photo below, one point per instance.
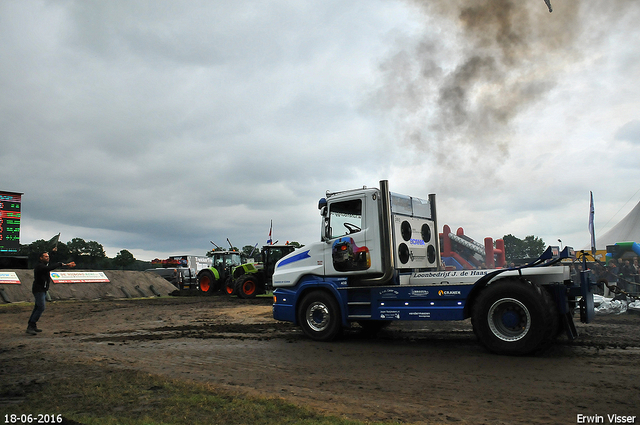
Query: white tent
(627, 230)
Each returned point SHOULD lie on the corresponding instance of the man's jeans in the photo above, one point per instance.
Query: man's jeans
(41, 298)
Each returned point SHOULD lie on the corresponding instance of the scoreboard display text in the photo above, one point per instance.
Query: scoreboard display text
(9, 222)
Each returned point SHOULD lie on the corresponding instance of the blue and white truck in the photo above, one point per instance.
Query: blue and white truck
(378, 261)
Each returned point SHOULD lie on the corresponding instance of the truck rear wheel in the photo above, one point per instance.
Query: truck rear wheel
(319, 316)
(207, 282)
(247, 286)
(513, 317)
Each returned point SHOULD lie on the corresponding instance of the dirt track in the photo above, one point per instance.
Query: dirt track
(422, 372)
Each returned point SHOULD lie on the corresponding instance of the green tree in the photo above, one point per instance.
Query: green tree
(124, 259)
(86, 254)
(296, 245)
(35, 248)
(529, 247)
(250, 251)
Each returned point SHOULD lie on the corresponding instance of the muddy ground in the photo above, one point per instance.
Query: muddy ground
(421, 372)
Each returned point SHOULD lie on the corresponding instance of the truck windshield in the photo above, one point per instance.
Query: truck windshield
(345, 218)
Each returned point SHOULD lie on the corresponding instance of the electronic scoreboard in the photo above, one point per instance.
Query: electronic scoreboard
(9, 222)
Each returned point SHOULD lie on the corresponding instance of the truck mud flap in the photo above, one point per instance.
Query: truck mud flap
(587, 310)
(569, 326)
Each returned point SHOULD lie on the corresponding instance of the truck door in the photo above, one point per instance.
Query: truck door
(348, 237)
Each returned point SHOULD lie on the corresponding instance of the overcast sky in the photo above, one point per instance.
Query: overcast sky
(158, 126)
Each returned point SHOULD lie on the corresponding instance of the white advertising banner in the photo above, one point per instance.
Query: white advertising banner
(9, 277)
(79, 277)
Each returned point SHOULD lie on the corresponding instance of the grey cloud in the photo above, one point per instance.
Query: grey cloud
(168, 124)
(629, 132)
(447, 98)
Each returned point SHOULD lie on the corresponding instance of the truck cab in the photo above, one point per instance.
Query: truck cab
(369, 236)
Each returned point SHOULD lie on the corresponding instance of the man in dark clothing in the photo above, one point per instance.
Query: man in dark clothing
(41, 283)
(611, 275)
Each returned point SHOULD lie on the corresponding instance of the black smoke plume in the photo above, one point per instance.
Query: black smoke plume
(457, 89)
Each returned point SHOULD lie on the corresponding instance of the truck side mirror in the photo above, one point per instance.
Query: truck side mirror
(322, 205)
(326, 230)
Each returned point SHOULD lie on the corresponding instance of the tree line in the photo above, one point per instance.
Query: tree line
(519, 250)
(88, 255)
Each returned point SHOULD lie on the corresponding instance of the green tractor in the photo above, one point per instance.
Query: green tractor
(253, 279)
(218, 276)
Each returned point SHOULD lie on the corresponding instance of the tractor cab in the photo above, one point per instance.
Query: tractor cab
(253, 279)
(218, 276)
(225, 261)
(270, 256)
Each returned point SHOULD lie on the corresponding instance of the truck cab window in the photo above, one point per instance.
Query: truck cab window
(345, 218)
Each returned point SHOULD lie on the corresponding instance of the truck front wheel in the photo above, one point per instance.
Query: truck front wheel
(319, 316)
(512, 317)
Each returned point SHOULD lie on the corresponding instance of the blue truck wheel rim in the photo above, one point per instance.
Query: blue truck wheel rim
(318, 316)
(509, 319)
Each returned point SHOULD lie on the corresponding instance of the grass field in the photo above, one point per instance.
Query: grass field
(93, 396)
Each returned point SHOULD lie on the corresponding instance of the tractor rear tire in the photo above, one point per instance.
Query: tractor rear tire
(207, 282)
(247, 286)
(514, 317)
(229, 287)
